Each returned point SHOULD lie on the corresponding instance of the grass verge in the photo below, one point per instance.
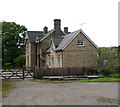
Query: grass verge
(7, 86)
(107, 100)
(107, 79)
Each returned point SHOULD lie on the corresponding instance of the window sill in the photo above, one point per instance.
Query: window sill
(80, 45)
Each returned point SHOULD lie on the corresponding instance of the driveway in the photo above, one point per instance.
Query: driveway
(36, 93)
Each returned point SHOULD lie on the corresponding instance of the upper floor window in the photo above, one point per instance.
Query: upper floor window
(80, 43)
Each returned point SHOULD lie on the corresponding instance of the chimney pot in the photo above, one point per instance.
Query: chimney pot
(66, 30)
(57, 24)
(45, 30)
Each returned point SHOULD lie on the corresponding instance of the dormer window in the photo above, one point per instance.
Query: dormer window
(80, 43)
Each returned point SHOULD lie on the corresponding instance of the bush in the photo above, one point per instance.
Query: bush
(38, 75)
(19, 61)
(115, 75)
(7, 65)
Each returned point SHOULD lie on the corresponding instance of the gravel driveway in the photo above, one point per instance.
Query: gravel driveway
(36, 93)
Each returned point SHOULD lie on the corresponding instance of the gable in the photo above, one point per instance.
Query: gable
(72, 46)
(70, 37)
(31, 35)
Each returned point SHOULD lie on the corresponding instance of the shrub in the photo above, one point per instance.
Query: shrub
(19, 61)
(7, 65)
(38, 75)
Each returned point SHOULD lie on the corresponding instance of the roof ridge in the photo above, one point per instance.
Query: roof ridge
(71, 33)
(47, 34)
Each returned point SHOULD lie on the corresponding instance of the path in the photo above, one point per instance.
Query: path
(36, 93)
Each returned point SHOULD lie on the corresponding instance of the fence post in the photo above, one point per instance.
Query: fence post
(23, 72)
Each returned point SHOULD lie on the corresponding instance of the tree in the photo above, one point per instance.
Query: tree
(20, 60)
(108, 60)
(0, 45)
(13, 36)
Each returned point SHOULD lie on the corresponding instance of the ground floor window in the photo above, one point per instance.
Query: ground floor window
(49, 62)
(27, 60)
(58, 61)
(53, 61)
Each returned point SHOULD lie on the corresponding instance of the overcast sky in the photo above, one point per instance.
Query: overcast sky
(100, 16)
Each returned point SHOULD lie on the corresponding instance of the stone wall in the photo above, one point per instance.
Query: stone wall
(80, 56)
(55, 55)
(33, 54)
(27, 53)
(30, 54)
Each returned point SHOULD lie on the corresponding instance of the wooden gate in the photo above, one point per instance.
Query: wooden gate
(20, 73)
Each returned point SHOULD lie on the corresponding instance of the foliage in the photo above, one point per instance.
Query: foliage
(19, 61)
(108, 100)
(115, 75)
(38, 75)
(108, 60)
(13, 36)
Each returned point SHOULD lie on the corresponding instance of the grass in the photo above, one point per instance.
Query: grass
(107, 79)
(107, 100)
(7, 86)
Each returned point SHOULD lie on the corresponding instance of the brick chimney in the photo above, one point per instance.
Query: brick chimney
(57, 27)
(45, 30)
(66, 30)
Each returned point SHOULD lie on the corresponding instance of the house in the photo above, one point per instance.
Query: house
(57, 48)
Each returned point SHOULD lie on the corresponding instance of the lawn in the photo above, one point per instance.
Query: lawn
(7, 86)
(107, 79)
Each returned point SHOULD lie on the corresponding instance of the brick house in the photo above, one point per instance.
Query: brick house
(57, 48)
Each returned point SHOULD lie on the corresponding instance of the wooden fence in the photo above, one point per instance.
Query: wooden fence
(68, 71)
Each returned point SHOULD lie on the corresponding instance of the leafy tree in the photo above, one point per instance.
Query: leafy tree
(13, 36)
(0, 45)
(108, 60)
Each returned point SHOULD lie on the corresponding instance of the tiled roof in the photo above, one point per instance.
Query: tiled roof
(47, 50)
(66, 39)
(31, 35)
(34, 36)
(47, 34)
(69, 37)
(57, 40)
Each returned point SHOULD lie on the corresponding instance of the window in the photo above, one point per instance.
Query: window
(58, 61)
(49, 62)
(53, 61)
(27, 60)
(80, 43)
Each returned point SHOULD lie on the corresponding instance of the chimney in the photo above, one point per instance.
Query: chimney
(45, 30)
(57, 27)
(66, 30)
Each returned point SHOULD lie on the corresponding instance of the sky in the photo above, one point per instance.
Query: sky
(100, 16)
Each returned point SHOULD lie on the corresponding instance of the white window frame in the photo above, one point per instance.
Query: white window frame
(59, 61)
(81, 43)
